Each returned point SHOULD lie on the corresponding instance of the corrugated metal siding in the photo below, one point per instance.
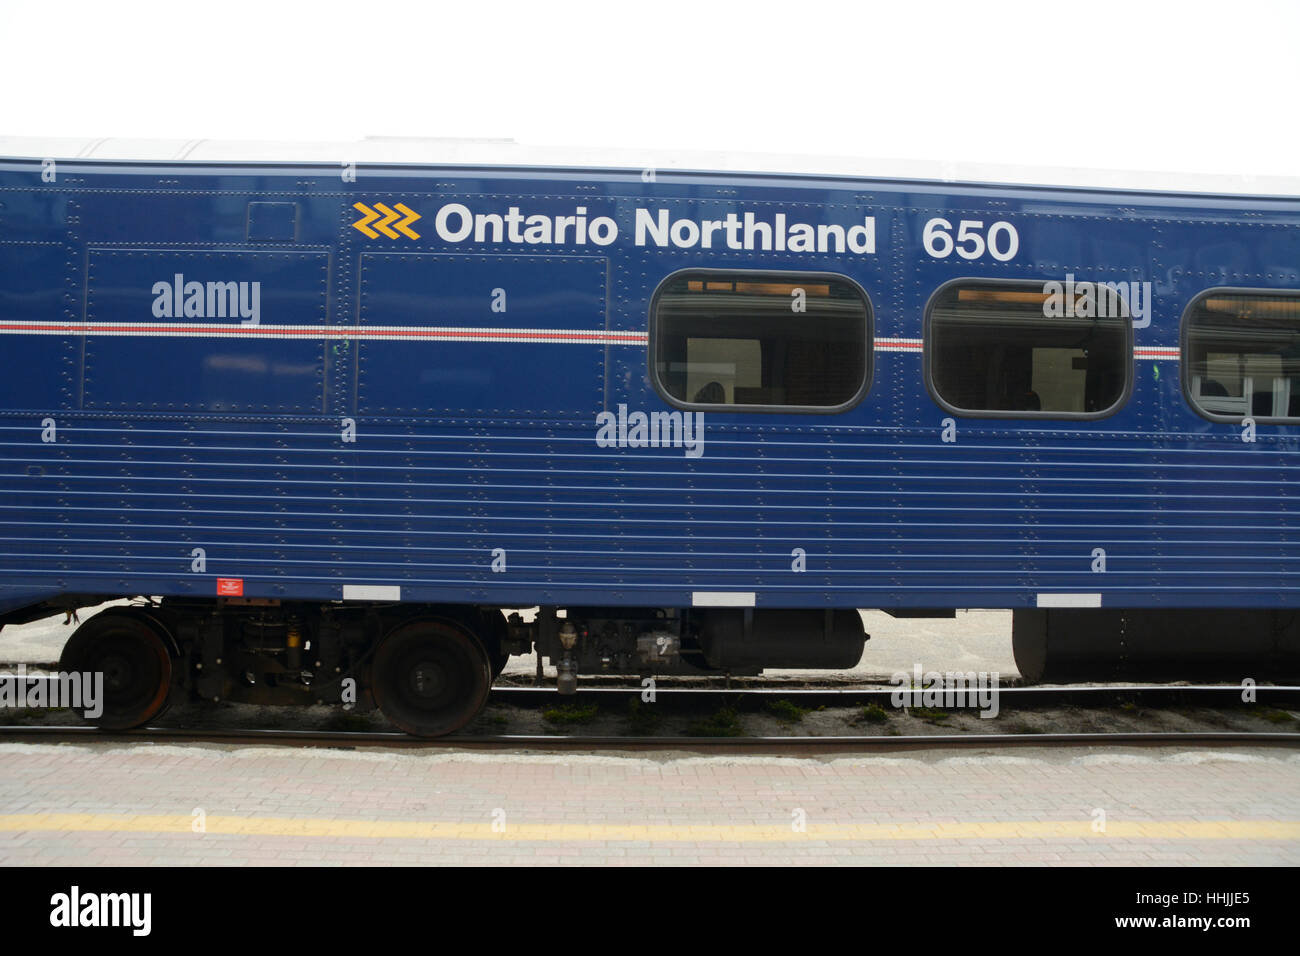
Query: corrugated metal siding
(887, 513)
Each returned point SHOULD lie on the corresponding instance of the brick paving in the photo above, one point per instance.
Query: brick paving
(115, 804)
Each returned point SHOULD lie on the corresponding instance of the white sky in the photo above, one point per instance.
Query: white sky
(1121, 84)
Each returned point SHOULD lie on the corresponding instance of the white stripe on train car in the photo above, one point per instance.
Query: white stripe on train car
(447, 333)
(1170, 352)
(372, 592)
(898, 345)
(1069, 600)
(722, 598)
(894, 344)
(226, 330)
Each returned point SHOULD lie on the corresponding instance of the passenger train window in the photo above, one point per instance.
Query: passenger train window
(993, 350)
(1241, 355)
(749, 341)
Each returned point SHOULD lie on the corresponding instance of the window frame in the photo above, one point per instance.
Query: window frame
(927, 360)
(781, 275)
(1185, 354)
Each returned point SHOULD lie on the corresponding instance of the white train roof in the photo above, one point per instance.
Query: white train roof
(503, 152)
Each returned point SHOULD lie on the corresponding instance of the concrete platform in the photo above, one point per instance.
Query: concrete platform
(156, 804)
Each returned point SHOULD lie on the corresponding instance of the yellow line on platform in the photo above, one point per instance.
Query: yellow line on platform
(650, 833)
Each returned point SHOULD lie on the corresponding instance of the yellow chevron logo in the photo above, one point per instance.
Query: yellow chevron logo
(386, 219)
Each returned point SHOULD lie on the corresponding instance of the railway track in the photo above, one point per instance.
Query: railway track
(749, 700)
(1148, 695)
(757, 696)
(589, 743)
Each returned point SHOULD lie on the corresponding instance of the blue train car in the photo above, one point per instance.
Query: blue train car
(329, 419)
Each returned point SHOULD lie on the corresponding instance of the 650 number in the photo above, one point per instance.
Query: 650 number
(1000, 241)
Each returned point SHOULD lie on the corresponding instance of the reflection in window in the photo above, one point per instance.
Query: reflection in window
(991, 348)
(1243, 355)
(746, 339)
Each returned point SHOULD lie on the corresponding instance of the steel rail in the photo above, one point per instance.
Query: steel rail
(1150, 695)
(711, 745)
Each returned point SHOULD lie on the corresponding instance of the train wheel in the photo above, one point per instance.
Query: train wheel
(430, 678)
(135, 661)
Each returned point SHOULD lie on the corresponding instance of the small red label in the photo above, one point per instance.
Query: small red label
(230, 587)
